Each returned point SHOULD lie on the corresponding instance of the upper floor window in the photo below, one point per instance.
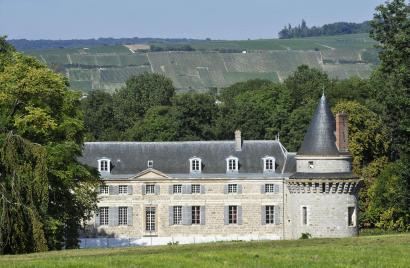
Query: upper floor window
(232, 164)
(304, 216)
(311, 164)
(232, 188)
(104, 189)
(268, 164)
(150, 189)
(195, 165)
(195, 188)
(104, 165)
(123, 189)
(269, 188)
(177, 189)
(351, 217)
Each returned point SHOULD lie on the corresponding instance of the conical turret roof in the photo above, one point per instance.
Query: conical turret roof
(320, 139)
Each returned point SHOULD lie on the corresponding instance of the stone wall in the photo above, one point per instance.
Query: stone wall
(214, 198)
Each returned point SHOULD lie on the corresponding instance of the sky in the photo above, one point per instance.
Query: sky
(216, 19)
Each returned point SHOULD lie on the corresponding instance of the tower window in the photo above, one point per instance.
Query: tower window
(311, 164)
(351, 219)
(304, 216)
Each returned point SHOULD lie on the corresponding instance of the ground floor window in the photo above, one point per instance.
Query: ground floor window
(351, 221)
(150, 219)
(196, 215)
(304, 216)
(233, 214)
(122, 216)
(177, 215)
(103, 215)
(270, 215)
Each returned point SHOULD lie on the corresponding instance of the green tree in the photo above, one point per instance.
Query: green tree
(39, 114)
(140, 93)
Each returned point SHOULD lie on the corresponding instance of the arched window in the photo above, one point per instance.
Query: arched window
(268, 164)
(195, 165)
(104, 165)
(232, 164)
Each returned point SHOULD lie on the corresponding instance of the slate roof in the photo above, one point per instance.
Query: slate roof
(320, 139)
(173, 157)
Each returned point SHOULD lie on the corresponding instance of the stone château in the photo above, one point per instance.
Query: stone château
(239, 189)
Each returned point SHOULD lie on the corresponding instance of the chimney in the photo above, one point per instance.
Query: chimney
(341, 132)
(238, 140)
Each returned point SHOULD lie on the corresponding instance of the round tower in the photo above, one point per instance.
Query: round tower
(323, 191)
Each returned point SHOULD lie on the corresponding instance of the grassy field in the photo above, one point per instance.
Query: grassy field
(108, 67)
(368, 251)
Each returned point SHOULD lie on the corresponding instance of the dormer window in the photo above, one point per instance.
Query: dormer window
(232, 164)
(104, 165)
(268, 164)
(195, 164)
(150, 163)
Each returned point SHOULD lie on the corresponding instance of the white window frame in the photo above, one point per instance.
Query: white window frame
(106, 167)
(150, 219)
(229, 167)
(232, 188)
(104, 189)
(269, 188)
(122, 189)
(122, 215)
(177, 188)
(197, 188)
(150, 163)
(266, 160)
(151, 188)
(195, 165)
(177, 215)
(104, 215)
(270, 214)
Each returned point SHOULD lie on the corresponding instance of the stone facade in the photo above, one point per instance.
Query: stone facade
(242, 188)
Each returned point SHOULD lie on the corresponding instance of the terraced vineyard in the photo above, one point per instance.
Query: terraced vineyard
(108, 67)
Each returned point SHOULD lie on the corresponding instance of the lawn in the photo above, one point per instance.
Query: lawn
(368, 251)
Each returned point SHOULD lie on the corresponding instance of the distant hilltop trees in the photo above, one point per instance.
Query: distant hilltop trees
(337, 28)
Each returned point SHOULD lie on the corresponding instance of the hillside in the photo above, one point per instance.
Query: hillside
(372, 251)
(208, 66)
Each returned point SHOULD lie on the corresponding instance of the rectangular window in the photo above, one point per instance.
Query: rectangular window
(304, 216)
(177, 215)
(196, 215)
(150, 219)
(104, 189)
(232, 164)
(150, 189)
(195, 188)
(270, 214)
(269, 165)
(103, 215)
(232, 188)
(311, 165)
(233, 214)
(103, 165)
(123, 189)
(122, 216)
(195, 165)
(351, 221)
(269, 188)
(150, 164)
(177, 189)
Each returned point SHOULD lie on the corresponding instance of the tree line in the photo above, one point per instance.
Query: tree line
(46, 194)
(337, 28)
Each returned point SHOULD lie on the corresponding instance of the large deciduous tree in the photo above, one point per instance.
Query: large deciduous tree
(45, 193)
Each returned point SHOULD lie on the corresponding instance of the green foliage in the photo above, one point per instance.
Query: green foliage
(390, 197)
(141, 93)
(44, 116)
(305, 236)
